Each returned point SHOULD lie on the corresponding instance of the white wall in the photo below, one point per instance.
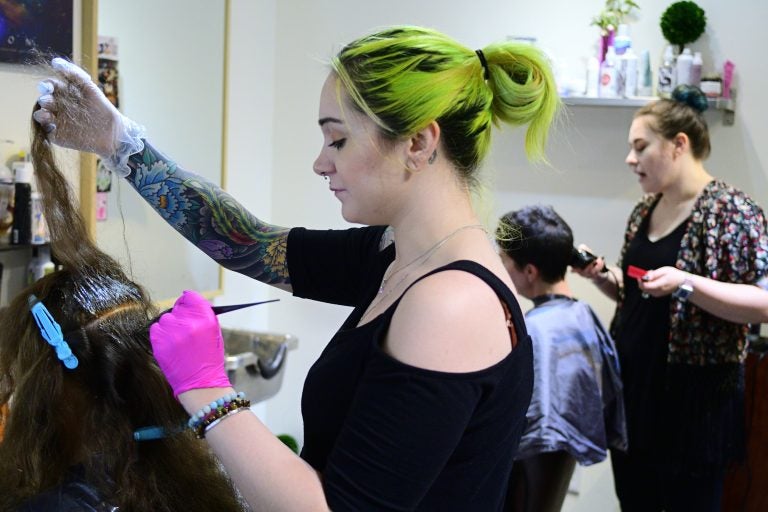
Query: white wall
(589, 183)
(277, 67)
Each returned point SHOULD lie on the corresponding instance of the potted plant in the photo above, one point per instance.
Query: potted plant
(683, 23)
(608, 20)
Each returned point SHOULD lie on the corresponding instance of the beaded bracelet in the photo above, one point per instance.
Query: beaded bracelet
(203, 420)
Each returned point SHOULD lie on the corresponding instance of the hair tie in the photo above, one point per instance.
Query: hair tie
(486, 73)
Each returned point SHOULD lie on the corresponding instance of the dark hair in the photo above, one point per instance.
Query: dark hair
(683, 113)
(539, 236)
(84, 418)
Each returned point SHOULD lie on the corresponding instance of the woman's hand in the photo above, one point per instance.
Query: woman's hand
(592, 270)
(76, 115)
(188, 345)
(662, 281)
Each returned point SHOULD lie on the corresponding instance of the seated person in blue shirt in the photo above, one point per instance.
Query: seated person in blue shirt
(577, 409)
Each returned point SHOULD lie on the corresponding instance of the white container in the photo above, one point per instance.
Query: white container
(684, 64)
(667, 74)
(40, 264)
(622, 42)
(645, 76)
(628, 73)
(593, 77)
(696, 65)
(609, 79)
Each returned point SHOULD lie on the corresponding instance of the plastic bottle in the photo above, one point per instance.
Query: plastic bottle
(684, 64)
(622, 41)
(728, 68)
(645, 76)
(696, 65)
(6, 203)
(40, 264)
(628, 68)
(667, 75)
(40, 234)
(593, 77)
(21, 233)
(609, 75)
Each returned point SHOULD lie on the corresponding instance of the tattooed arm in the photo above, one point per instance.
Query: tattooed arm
(210, 218)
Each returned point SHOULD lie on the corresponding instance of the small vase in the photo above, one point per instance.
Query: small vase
(606, 40)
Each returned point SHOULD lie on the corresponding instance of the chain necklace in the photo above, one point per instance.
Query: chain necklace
(422, 258)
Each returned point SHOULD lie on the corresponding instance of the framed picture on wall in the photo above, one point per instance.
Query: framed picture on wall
(29, 26)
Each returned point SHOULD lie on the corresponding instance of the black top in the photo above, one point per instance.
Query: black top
(642, 342)
(389, 436)
(73, 495)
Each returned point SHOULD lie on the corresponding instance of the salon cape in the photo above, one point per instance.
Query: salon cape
(73, 495)
(577, 404)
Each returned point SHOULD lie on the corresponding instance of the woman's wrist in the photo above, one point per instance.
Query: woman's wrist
(194, 399)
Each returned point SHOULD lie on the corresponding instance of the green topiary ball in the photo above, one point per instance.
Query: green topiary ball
(683, 23)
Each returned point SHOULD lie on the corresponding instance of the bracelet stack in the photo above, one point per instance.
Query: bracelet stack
(210, 415)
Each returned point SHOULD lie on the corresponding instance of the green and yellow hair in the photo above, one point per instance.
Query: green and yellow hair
(405, 77)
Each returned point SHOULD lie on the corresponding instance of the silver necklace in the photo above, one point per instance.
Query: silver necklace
(422, 258)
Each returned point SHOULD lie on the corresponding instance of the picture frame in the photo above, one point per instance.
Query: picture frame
(29, 27)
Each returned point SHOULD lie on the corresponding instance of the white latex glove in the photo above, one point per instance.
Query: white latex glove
(90, 123)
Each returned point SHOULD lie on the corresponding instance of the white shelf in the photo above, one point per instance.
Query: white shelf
(727, 105)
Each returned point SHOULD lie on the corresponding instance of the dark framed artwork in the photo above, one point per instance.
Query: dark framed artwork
(31, 26)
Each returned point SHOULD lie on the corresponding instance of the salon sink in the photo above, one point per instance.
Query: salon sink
(255, 361)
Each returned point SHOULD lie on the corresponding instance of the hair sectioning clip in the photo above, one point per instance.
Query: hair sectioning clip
(51, 332)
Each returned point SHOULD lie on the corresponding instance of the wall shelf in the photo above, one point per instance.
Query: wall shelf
(4, 247)
(726, 105)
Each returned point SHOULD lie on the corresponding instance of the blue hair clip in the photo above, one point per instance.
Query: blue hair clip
(149, 433)
(155, 432)
(51, 332)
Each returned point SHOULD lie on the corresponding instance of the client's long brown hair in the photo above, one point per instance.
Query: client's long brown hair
(84, 418)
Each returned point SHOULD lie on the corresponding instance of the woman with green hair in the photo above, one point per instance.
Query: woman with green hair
(418, 401)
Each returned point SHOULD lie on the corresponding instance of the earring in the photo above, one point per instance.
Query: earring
(432, 158)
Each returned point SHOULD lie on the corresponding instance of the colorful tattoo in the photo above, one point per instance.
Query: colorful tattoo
(210, 218)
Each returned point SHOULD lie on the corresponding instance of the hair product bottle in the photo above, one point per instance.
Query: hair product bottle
(609, 75)
(21, 232)
(667, 74)
(628, 73)
(6, 204)
(593, 77)
(684, 64)
(645, 76)
(40, 264)
(696, 65)
(39, 227)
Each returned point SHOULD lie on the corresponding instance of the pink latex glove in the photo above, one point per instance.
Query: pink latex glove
(188, 345)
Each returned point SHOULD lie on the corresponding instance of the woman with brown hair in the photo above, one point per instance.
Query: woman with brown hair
(681, 361)
(90, 421)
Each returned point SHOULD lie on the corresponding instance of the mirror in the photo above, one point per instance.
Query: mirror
(171, 64)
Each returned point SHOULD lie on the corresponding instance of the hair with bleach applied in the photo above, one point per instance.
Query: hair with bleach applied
(57, 419)
(539, 236)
